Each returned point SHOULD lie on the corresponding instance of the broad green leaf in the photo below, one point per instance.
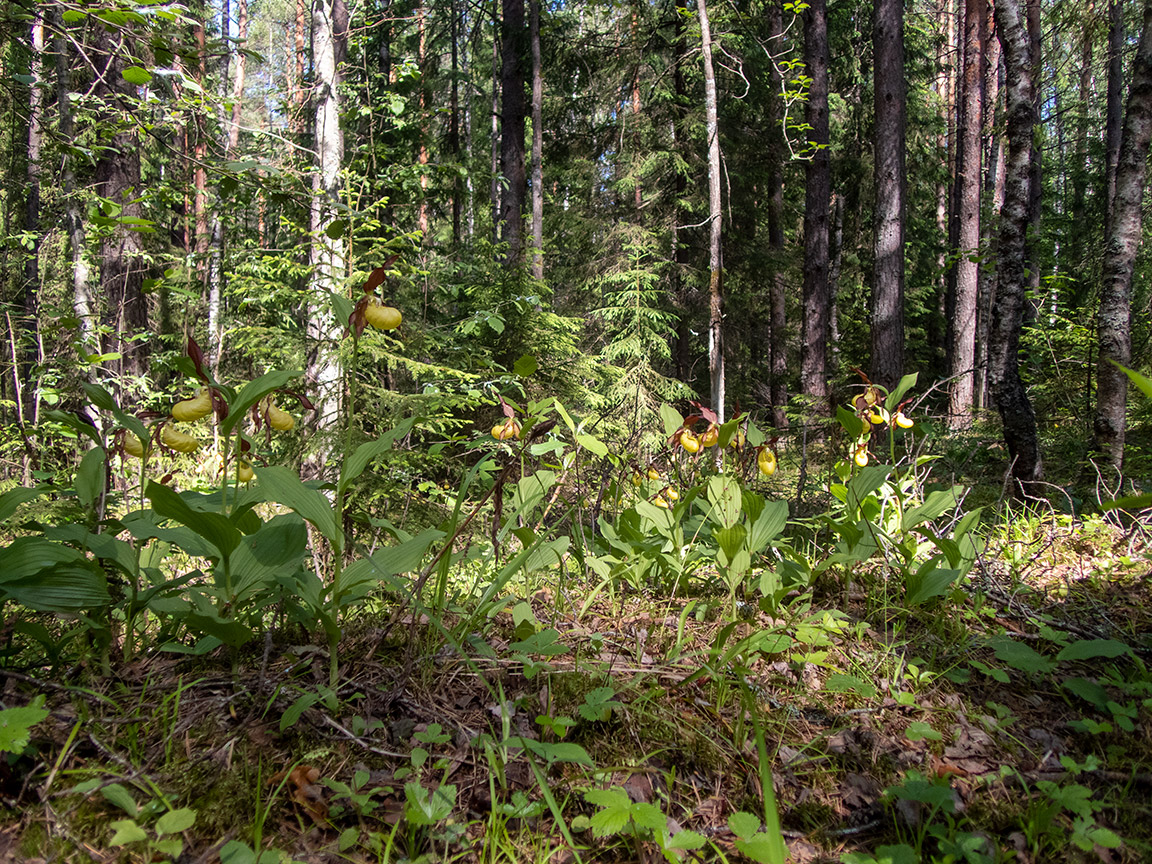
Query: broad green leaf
(387, 562)
(840, 683)
(928, 583)
(768, 525)
(672, 418)
(903, 386)
(335, 229)
(137, 75)
(1087, 649)
(213, 527)
(1089, 691)
(11, 500)
(90, 476)
(292, 714)
(559, 751)
(865, 483)
(743, 825)
(16, 727)
(686, 839)
(935, 505)
(175, 821)
(525, 366)
(725, 497)
(231, 632)
(593, 445)
(117, 794)
(283, 486)
(1142, 382)
(355, 464)
(126, 831)
(252, 393)
(919, 730)
(424, 807)
(46, 576)
(545, 642)
(1020, 656)
(762, 849)
(730, 539)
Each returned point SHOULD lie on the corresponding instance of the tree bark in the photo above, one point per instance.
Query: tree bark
(117, 175)
(29, 400)
(83, 300)
(422, 106)
(1114, 111)
(715, 222)
(1007, 389)
(993, 193)
(496, 131)
(1125, 226)
(966, 197)
(817, 201)
(512, 163)
(888, 291)
(777, 285)
(537, 145)
(327, 254)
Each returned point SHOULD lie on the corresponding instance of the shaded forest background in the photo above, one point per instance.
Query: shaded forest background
(549, 177)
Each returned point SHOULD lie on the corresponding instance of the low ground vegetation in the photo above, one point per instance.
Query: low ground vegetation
(723, 646)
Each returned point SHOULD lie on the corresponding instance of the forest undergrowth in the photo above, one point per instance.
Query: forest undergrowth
(571, 655)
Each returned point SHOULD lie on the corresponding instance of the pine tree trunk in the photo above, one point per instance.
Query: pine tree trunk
(422, 106)
(715, 214)
(537, 146)
(512, 163)
(817, 201)
(327, 255)
(1007, 389)
(117, 175)
(83, 300)
(962, 317)
(1032, 12)
(994, 193)
(1123, 242)
(216, 243)
(888, 292)
(495, 191)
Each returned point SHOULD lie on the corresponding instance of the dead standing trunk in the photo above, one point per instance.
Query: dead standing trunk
(1125, 225)
(1007, 390)
(715, 264)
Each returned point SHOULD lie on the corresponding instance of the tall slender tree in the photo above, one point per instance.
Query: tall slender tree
(512, 104)
(888, 287)
(1004, 381)
(1125, 224)
(715, 222)
(777, 288)
(327, 252)
(537, 145)
(817, 298)
(966, 205)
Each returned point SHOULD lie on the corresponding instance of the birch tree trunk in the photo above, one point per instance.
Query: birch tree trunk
(29, 400)
(888, 291)
(327, 254)
(715, 214)
(817, 201)
(1125, 226)
(1007, 389)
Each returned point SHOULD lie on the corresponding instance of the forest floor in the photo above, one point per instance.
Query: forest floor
(949, 731)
